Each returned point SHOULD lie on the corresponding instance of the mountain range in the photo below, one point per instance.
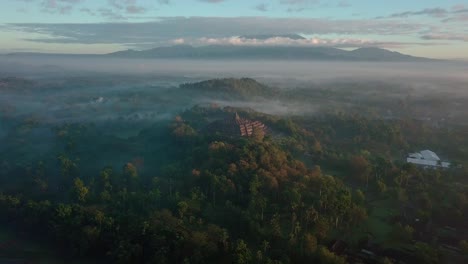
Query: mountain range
(252, 52)
(267, 52)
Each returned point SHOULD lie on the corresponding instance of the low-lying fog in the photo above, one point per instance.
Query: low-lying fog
(74, 89)
(316, 70)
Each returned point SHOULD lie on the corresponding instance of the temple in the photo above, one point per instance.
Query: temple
(237, 126)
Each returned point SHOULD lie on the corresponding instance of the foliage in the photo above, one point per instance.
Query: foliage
(182, 195)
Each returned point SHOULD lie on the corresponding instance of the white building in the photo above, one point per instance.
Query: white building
(427, 158)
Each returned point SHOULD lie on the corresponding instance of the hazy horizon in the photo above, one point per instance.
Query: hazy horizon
(203, 68)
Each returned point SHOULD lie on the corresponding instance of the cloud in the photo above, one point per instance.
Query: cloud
(282, 41)
(212, 1)
(128, 6)
(299, 5)
(459, 8)
(88, 11)
(110, 14)
(58, 6)
(457, 18)
(446, 36)
(310, 42)
(22, 10)
(169, 28)
(436, 12)
(261, 7)
(199, 31)
(178, 41)
(132, 9)
(298, 2)
(113, 10)
(61, 7)
(459, 14)
(344, 3)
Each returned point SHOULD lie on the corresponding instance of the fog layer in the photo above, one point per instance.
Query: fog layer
(314, 70)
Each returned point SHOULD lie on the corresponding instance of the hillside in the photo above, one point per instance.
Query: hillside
(243, 88)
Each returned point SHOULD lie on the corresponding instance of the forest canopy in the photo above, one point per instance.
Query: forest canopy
(328, 187)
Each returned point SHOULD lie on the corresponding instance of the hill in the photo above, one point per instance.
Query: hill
(243, 88)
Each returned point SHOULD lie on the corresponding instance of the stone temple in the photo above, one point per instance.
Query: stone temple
(236, 126)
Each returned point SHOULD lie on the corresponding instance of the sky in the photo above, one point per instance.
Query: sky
(428, 28)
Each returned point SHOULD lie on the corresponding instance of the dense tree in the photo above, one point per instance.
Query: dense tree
(360, 168)
(359, 197)
(310, 244)
(243, 255)
(327, 257)
(68, 167)
(130, 176)
(207, 198)
(80, 191)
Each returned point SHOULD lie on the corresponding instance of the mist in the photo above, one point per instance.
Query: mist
(58, 65)
(63, 89)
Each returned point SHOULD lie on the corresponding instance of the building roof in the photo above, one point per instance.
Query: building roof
(237, 126)
(426, 158)
(415, 155)
(429, 155)
(422, 162)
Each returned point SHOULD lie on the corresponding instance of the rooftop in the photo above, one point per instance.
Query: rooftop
(426, 158)
(237, 126)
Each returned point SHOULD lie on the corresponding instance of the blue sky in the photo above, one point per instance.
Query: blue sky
(428, 28)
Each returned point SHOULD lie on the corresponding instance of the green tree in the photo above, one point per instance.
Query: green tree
(80, 191)
(381, 186)
(182, 208)
(243, 255)
(104, 184)
(258, 134)
(358, 215)
(360, 168)
(321, 228)
(310, 244)
(257, 201)
(311, 215)
(68, 169)
(327, 257)
(182, 130)
(276, 226)
(359, 197)
(130, 171)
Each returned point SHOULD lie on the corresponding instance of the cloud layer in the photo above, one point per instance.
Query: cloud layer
(119, 26)
(165, 30)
